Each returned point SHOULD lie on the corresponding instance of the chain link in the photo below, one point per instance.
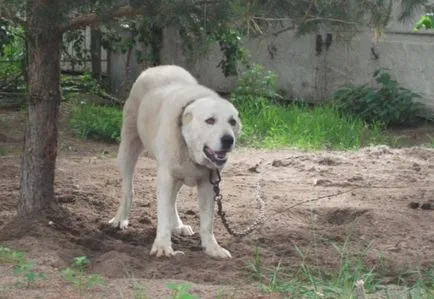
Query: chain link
(260, 219)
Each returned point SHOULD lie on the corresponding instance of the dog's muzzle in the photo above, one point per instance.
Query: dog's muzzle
(217, 157)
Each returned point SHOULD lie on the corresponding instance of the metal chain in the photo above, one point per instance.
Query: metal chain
(260, 219)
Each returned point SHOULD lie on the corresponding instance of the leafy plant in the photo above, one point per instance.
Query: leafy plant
(76, 40)
(6, 38)
(76, 275)
(232, 49)
(181, 291)
(388, 103)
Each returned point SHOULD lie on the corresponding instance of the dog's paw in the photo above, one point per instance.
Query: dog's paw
(122, 224)
(217, 251)
(183, 230)
(159, 250)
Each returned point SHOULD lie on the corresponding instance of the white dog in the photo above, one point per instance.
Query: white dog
(189, 130)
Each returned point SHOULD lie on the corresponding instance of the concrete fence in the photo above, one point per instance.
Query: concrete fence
(302, 71)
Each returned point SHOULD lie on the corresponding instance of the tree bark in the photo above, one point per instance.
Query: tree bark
(40, 143)
(95, 52)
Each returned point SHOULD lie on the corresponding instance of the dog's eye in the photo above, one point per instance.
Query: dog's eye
(210, 120)
(232, 122)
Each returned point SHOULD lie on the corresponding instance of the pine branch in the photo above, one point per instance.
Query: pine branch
(408, 8)
(94, 18)
(6, 14)
(118, 11)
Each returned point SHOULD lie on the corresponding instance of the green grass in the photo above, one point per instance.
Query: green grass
(306, 280)
(265, 125)
(269, 125)
(309, 281)
(96, 122)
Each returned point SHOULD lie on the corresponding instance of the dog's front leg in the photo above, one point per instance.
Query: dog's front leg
(206, 205)
(165, 187)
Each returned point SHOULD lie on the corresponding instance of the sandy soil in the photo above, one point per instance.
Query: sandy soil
(363, 200)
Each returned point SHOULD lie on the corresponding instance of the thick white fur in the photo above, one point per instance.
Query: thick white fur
(165, 117)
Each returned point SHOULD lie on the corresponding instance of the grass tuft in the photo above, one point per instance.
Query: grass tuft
(271, 125)
(96, 122)
(354, 277)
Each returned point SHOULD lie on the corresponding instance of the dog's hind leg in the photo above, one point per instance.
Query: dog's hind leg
(166, 187)
(129, 151)
(178, 228)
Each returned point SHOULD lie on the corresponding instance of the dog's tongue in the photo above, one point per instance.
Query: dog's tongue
(210, 151)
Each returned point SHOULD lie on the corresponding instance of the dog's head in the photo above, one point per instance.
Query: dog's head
(210, 127)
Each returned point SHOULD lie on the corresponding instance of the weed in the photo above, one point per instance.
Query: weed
(180, 291)
(3, 152)
(138, 291)
(22, 266)
(431, 142)
(389, 104)
(25, 268)
(419, 284)
(9, 256)
(76, 276)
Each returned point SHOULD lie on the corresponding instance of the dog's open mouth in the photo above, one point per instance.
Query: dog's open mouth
(217, 157)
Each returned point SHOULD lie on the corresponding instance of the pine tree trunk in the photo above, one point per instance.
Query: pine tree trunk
(95, 52)
(40, 143)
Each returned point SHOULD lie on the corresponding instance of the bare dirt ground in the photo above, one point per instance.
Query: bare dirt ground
(375, 186)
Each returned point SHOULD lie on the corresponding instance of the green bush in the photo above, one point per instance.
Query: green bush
(96, 122)
(256, 82)
(389, 103)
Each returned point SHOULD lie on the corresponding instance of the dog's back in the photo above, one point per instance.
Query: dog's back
(149, 80)
(157, 77)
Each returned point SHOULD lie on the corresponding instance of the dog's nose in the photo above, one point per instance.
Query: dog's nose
(227, 141)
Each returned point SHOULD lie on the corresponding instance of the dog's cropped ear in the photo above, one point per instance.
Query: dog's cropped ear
(186, 115)
(186, 118)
